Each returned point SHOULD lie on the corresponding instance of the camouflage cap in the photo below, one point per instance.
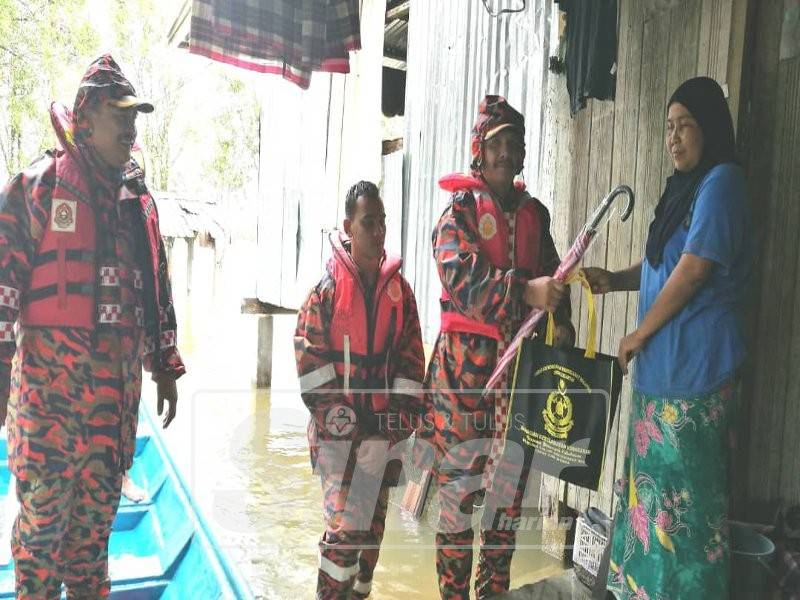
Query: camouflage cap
(494, 115)
(104, 81)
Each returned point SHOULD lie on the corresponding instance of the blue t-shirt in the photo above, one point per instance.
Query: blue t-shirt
(702, 346)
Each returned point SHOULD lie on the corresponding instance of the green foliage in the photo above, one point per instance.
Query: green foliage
(202, 139)
(140, 32)
(236, 126)
(41, 40)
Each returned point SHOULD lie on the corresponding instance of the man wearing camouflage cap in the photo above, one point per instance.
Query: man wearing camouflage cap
(493, 253)
(83, 275)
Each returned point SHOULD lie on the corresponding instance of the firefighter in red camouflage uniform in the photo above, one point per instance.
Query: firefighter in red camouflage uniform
(358, 330)
(493, 252)
(83, 274)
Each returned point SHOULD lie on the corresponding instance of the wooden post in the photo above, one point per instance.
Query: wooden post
(265, 312)
(264, 365)
(189, 262)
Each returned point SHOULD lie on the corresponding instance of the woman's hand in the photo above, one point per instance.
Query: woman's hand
(629, 346)
(599, 280)
(545, 293)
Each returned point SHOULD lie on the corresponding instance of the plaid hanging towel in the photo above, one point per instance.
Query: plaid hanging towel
(292, 38)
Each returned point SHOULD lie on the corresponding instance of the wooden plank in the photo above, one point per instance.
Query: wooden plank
(179, 30)
(563, 180)
(554, 96)
(264, 352)
(560, 221)
(720, 54)
(581, 132)
(790, 480)
(685, 41)
(764, 416)
(715, 39)
(783, 231)
(335, 149)
(254, 306)
(740, 79)
(645, 170)
(736, 62)
(787, 177)
(650, 156)
(400, 12)
(623, 170)
(602, 143)
(598, 185)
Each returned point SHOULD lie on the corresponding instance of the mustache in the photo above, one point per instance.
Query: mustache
(504, 162)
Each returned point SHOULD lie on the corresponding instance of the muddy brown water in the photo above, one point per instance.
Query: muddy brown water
(245, 456)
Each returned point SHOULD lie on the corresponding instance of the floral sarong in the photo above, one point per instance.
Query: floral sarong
(670, 538)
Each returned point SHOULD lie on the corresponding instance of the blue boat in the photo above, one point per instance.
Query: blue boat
(161, 548)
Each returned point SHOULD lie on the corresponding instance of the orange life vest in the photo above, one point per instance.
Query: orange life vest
(361, 339)
(493, 239)
(62, 291)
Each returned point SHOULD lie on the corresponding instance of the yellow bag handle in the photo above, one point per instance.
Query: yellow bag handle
(591, 340)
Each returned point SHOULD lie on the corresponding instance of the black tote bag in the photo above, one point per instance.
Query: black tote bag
(562, 406)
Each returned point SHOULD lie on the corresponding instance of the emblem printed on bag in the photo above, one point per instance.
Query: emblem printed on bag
(394, 291)
(64, 213)
(487, 226)
(557, 413)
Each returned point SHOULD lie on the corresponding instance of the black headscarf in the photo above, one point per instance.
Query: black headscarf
(705, 100)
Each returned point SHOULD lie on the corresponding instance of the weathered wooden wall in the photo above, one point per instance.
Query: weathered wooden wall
(315, 144)
(772, 382)
(610, 143)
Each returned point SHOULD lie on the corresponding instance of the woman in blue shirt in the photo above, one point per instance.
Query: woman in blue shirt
(671, 537)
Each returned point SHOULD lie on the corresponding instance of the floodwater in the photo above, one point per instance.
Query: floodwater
(244, 454)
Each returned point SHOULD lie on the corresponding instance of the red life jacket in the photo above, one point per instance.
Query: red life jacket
(62, 287)
(361, 342)
(61, 290)
(493, 230)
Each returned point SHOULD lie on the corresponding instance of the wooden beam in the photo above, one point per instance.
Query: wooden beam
(395, 63)
(765, 407)
(264, 353)
(399, 12)
(254, 306)
(179, 31)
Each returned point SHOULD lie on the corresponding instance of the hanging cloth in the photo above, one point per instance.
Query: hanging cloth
(292, 38)
(591, 50)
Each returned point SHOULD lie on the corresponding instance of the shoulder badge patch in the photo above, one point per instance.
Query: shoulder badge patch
(63, 215)
(487, 226)
(394, 291)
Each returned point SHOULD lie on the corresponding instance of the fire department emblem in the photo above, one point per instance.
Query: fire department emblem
(558, 412)
(394, 291)
(487, 226)
(340, 420)
(63, 215)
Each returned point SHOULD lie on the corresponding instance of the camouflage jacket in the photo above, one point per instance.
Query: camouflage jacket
(464, 361)
(313, 352)
(77, 364)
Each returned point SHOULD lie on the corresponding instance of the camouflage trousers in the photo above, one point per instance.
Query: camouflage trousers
(462, 445)
(354, 508)
(61, 534)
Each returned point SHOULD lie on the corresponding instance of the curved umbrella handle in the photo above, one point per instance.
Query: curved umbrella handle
(601, 210)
